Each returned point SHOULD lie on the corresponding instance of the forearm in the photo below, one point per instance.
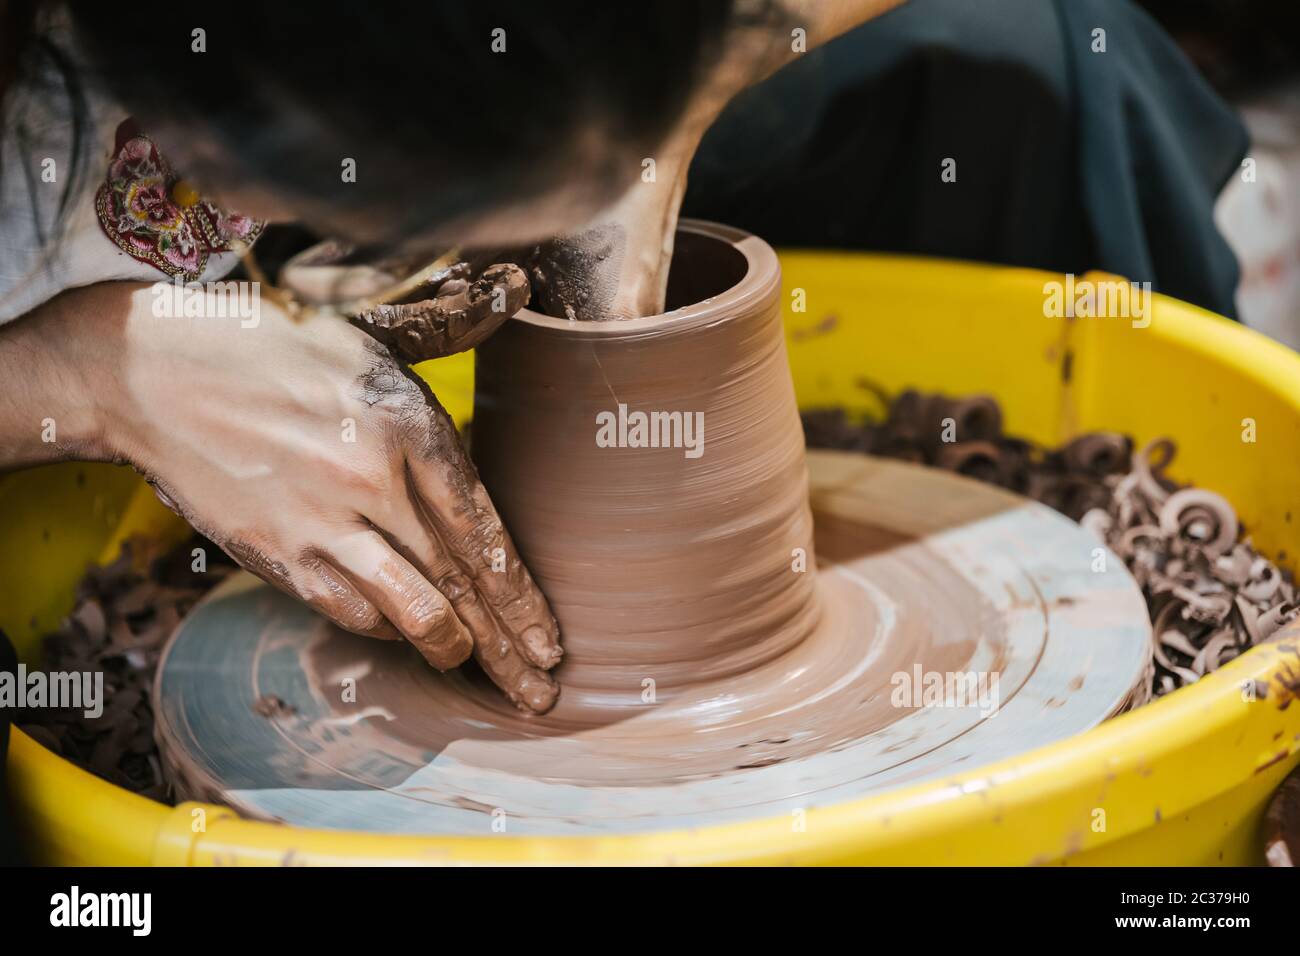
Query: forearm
(54, 363)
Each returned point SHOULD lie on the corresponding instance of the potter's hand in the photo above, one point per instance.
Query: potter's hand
(618, 268)
(458, 316)
(442, 312)
(322, 465)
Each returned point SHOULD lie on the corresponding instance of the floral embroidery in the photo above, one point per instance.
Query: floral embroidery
(138, 212)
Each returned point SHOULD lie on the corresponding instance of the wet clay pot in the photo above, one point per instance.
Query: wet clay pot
(652, 475)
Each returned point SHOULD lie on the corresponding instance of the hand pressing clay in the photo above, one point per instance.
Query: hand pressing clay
(419, 313)
(313, 457)
(618, 268)
(460, 316)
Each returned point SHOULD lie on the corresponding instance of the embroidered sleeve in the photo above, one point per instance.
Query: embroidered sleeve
(153, 216)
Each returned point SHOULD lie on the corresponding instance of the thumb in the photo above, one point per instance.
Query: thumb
(459, 316)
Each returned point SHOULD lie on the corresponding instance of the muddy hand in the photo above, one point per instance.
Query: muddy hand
(445, 311)
(469, 557)
(322, 464)
(458, 316)
(618, 268)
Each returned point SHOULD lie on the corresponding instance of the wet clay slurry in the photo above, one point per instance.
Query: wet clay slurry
(736, 625)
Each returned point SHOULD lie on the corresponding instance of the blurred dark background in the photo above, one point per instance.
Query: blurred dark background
(1171, 156)
(1241, 46)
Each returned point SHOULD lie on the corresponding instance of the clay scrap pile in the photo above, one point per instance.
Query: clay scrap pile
(124, 614)
(1211, 595)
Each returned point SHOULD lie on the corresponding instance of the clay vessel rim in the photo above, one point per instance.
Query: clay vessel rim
(763, 272)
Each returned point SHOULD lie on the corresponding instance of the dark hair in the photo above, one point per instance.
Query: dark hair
(27, 54)
(1242, 46)
(440, 125)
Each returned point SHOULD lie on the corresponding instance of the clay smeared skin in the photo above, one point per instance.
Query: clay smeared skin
(460, 316)
(335, 596)
(577, 277)
(516, 640)
(646, 215)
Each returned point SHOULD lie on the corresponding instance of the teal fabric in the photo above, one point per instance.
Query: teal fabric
(1066, 159)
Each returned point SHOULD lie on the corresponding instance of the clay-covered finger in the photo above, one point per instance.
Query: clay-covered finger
(458, 509)
(410, 603)
(497, 650)
(518, 669)
(528, 687)
(441, 482)
(459, 514)
(459, 316)
(314, 583)
(428, 553)
(328, 592)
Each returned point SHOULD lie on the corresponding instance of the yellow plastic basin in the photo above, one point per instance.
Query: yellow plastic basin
(1182, 781)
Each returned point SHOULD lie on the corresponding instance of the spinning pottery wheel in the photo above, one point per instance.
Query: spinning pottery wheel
(991, 582)
(748, 632)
